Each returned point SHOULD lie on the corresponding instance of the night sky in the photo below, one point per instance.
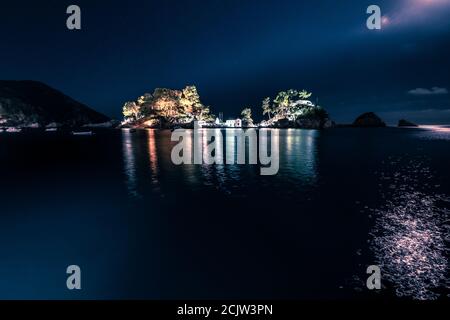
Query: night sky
(238, 52)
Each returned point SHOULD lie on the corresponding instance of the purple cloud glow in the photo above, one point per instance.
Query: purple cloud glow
(412, 12)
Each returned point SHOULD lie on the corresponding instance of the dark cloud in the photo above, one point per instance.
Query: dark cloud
(428, 92)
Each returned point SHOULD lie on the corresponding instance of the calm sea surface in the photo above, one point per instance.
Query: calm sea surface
(142, 227)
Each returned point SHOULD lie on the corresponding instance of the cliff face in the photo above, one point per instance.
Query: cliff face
(32, 103)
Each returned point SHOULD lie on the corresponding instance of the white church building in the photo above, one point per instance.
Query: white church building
(236, 123)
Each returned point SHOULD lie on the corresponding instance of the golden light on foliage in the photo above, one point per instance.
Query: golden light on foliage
(150, 123)
(167, 105)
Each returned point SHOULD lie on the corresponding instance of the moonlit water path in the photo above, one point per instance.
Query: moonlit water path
(411, 233)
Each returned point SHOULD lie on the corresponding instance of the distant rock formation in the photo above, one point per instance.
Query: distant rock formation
(369, 120)
(32, 104)
(405, 123)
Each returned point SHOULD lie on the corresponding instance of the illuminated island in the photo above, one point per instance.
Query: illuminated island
(168, 108)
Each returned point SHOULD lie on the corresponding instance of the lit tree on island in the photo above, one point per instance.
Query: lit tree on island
(166, 107)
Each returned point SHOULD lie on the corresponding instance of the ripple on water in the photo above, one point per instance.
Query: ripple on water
(410, 235)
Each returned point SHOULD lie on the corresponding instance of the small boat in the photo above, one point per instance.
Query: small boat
(51, 129)
(82, 133)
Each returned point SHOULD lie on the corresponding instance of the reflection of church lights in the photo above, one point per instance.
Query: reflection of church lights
(219, 143)
(209, 146)
(301, 145)
(152, 152)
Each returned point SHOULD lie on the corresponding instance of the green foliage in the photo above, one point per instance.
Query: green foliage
(316, 112)
(168, 106)
(281, 103)
(131, 111)
(266, 107)
(304, 94)
(293, 104)
(292, 93)
(246, 113)
(190, 102)
(247, 116)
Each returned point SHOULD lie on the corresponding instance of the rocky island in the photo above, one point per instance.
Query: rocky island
(369, 119)
(406, 123)
(168, 108)
(294, 109)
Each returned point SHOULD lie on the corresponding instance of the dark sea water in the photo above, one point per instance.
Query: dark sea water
(141, 227)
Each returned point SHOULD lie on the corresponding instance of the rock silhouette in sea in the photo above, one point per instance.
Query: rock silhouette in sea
(369, 120)
(405, 123)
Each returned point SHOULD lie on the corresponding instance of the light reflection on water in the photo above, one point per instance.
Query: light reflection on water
(297, 156)
(434, 132)
(300, 151)
(409, 237)
(153, 156)
(129, 162)
(181, 224)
